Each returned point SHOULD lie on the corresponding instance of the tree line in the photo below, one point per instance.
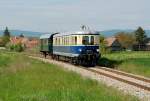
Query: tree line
(5, 42)
(127, 39)
(5, 38)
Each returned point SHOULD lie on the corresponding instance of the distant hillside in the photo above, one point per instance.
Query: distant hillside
(25, 33)
(109, 33)
(106, 33)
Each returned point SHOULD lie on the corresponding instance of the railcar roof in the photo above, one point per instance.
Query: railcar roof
(77, 32)
(45, 36)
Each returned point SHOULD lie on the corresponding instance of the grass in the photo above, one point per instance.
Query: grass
(25, 79)
(132, 62)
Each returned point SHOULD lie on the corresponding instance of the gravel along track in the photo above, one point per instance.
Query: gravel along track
(124, 78)
(142, 78)
(101, 76)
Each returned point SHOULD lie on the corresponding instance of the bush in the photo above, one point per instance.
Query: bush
(108, 63)
(103, 46)
(17, 48)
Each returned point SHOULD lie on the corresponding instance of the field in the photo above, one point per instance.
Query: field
(132, 62)
(25, 79)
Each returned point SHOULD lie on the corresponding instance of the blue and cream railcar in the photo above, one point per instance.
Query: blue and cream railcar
(80, 47)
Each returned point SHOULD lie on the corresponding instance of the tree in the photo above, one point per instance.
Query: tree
(103, 45)
(6, 32)
(127, 40)
(6, 36)
(21, 35)
(140, 36)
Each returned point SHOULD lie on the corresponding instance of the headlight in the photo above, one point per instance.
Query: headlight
(97, 50)
(80, 50)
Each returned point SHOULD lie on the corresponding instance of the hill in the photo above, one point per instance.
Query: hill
(106, 33)
(25, 33)
(109, 33)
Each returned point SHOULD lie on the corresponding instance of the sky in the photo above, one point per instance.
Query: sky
(69, 15)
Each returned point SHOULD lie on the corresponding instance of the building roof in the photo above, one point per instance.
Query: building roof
(110, 40)
(17, 40)
(32, 43)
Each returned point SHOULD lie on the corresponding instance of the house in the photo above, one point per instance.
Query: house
(147, 44)
(32, 43)
(113, 44)
(18, 40)
(28, 43)
(142, 47)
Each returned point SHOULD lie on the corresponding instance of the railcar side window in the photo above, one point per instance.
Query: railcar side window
(92, 40)
(56, 41)
(68, 41)
(63, 41)
(75, 40)
(85, 40)
(72, 41)
(96, 40)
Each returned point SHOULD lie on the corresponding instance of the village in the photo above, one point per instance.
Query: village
(25, 42)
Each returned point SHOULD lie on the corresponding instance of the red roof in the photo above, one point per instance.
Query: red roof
(25, 41)
(15, 40)
(32, 43)
(110, 40)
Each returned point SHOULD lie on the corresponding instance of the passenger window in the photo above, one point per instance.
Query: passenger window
(85, 40)
(66, 40)
(63, 41)
(72, 41)
(92, 40)
(59, 40)
(75, 40)
(56, 41)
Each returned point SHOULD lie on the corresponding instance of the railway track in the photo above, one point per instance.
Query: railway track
(137, 81)
(140, 82)
(145, 79)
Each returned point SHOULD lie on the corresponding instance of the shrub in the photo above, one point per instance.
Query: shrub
(108, 63)
(15, 47)
(103, 46)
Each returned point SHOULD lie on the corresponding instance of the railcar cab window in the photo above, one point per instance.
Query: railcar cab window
(85, 40)
(88, 40)
(92, 40)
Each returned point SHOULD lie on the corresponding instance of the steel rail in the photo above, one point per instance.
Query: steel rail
(120, 79)
(125, 74)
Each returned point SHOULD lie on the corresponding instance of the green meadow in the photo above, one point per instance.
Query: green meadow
(132, 62)
(25, 79)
